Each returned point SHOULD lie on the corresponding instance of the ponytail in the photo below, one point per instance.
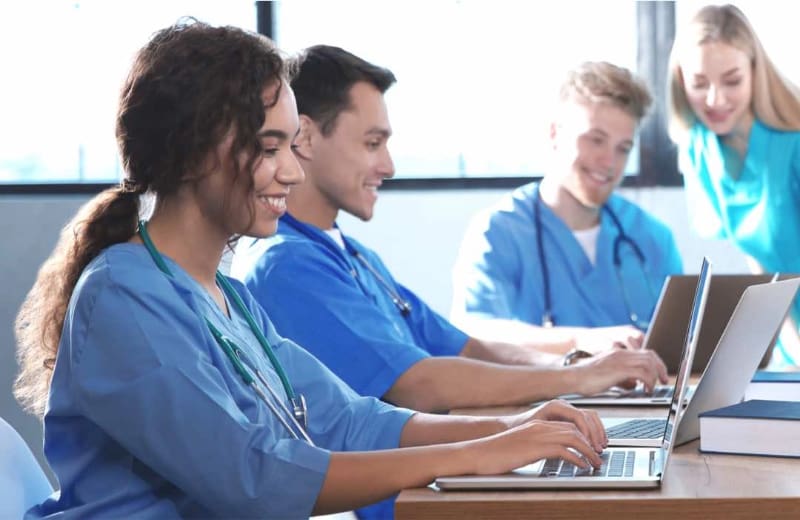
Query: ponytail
(109, 218)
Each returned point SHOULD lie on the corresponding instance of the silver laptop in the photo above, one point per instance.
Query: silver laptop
(665, 333)
(669, 325)
(755, 322)
(630, 467)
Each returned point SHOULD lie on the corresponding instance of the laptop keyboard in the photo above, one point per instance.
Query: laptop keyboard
(659, 392)
(616, 463)
(639, 429)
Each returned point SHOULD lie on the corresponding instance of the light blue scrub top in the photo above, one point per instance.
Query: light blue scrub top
(148, 419)
(759, 211)
(324, 299)
(498, 272)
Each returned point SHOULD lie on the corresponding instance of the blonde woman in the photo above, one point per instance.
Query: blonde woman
(736, 121)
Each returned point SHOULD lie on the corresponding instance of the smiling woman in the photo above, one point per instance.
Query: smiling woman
(736, 120)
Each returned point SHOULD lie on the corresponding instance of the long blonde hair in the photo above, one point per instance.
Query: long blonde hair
(776, 100)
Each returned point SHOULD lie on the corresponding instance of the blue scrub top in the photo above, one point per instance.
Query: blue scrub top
(760, 210)
(147, 417)
(324, 299)
(498, 272)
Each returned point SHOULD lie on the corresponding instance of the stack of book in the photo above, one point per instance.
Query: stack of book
(774, 386)
(755, 427)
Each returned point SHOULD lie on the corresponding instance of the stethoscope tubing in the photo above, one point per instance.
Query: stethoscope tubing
(402, 304)
(622, 237)
(234, 354)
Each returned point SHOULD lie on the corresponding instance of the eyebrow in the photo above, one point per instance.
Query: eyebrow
(278, 134)
(730, 72)
(379, 131)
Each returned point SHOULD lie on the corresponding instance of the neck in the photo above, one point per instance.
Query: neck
(739, 137)
(307, 204)
(182, 233)
(575, 214)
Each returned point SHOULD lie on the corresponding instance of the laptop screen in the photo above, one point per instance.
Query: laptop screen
(689, 347)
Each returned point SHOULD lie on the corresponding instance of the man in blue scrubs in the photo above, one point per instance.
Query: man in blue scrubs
(568, 252)
(335, 297)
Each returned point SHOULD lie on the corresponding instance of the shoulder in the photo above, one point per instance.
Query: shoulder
(265, 256)
(121, 267)
(511, 211)
(634, 219)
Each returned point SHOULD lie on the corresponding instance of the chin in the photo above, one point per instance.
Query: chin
(595, 200)
(719, 128)
(263, 230)
(722, 127)
(363, 213)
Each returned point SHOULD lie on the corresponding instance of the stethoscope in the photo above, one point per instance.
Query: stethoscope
(622, 238)
(298, 416)
(402, 304)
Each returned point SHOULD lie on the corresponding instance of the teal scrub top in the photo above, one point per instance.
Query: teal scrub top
(760, 210)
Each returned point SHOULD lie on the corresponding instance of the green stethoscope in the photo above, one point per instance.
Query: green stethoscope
(298, 416)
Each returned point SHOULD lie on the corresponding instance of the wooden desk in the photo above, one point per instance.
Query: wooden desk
(696, 486)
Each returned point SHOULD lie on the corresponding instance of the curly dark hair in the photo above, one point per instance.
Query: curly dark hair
(190, 86)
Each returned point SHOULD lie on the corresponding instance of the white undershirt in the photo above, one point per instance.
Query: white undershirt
(336, 235)
(587, 238)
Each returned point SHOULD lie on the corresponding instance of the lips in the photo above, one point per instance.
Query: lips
(717, 116)
(276, 203)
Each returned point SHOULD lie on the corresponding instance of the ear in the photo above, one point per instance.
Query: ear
(553, 134)
(303, 143)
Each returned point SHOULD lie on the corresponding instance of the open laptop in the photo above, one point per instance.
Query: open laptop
(668, 327)
(726, 289)
(630, 467)
(753, 325)
(670, 319)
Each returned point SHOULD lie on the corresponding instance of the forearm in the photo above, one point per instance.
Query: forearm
(426, 429)
(355, 479)
(533, 338)
(444, 383)
(507, 353)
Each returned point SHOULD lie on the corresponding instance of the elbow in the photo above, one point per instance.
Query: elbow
(418, 389)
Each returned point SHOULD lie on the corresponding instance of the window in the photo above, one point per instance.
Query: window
(64, 63)
(476, 79)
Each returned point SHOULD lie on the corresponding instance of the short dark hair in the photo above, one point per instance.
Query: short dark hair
(322, 76)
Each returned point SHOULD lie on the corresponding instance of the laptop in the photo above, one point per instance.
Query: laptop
(725, 292)
(622, 468)
(670, 318)
(753, 325)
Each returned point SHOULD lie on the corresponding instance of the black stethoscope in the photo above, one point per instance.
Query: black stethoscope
(402, 304)
(622, 238)
(298, 416)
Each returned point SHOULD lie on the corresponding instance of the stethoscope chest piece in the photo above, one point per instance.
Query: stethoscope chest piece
(300, 409)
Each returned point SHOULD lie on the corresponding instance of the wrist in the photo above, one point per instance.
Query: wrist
(574, 377)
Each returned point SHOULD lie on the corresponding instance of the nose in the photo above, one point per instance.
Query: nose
(606, 158)
(715, 96)
(386, 164)
(290, 172)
